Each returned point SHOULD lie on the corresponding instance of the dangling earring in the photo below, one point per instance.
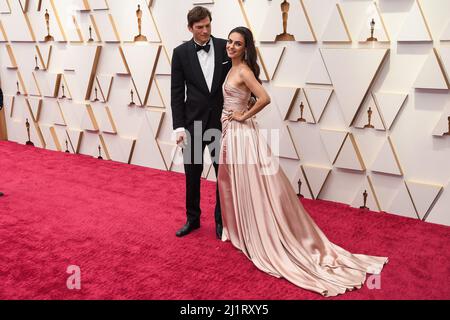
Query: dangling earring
(245, 55)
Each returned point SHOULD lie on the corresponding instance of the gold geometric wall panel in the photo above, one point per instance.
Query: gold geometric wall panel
(372, 200)
(5, 7)
(36, 16)
(318, 99)
(352, 72)
(432, 74)
(284, 98)
(126, 21)
(142, 71)
(389, 104)
(446, 34)
(295, 112)
(80, 66)
(269, 60)
(318, 73)
(349, 156)
(315, 178)
(362, 118)
(423, 195)
(387, 160)
(415, 28)
(380, 31)
(287, 147)
(98, 4)
(333, 141)
(112, 65)
(17, 25)
(336, 29)
(402, 204)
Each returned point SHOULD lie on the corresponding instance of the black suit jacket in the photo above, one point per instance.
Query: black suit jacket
(191, 99)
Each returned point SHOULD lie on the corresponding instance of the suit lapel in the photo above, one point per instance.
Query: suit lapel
(218, 67)
(196, 67)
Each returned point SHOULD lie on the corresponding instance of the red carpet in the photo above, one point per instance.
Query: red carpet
(118, 222)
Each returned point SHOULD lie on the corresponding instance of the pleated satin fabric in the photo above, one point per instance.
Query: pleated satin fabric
(263, 217)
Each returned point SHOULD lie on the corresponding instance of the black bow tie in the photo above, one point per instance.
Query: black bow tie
(206, 47)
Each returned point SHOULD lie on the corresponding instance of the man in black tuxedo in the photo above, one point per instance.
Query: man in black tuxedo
(199, 68)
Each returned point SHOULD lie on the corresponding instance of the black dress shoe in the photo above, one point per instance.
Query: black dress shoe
(187, 228)
(219, 229)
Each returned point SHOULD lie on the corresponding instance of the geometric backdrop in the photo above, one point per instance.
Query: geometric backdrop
(354, 117)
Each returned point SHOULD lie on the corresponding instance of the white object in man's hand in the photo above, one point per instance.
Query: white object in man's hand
(181, 139)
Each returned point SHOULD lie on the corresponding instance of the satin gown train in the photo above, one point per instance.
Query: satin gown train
(263, 217)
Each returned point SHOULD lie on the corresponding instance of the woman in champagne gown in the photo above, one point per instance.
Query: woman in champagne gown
(262, 215)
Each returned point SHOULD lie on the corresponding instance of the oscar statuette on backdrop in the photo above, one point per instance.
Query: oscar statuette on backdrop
(139, 37)
(365, 194)
(48, 37)
(372, 29)
(27, 125)
(285, 14)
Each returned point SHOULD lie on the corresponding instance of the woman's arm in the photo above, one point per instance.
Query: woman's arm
(262, 97)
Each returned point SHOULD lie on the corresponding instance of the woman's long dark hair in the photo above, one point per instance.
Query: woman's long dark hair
(251, 57)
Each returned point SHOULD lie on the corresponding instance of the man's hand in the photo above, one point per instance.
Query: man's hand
(181, 139)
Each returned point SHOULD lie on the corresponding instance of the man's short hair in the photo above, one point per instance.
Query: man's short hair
(197, 14)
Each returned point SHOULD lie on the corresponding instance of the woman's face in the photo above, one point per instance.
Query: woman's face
(235, 45)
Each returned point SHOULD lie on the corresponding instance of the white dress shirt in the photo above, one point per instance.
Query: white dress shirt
(207, 64)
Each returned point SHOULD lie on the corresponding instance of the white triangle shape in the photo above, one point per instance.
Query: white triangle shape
(333, 141)
(402, 204)
(380, 32)
(439, 213)
(371, 202)
(119, 148)
(316, 177)
(284, 98)
(351, 81)
(51, 140)
(423, 195)
(147, 152)
(155, 99)
(443, 125)
(386, 161)
(270, 59)
(318, 100)
(163, 67)
(5, 7)
(414, 28)
(445, 58)
(169, 152)
(141, 69)
(295, 112)
(155, 118)
(431, 76)
(318, 73)
(104, 84)
(58, 115)
(75, 138)
(336, 29)
(362, 118)
(287, 148)
(389, 104)
(348, 156)
(35, 107)
(446, 34)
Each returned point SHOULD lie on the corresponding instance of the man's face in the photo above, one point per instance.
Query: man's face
(201, 30)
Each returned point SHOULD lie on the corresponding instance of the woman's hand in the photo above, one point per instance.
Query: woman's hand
(237, 115)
